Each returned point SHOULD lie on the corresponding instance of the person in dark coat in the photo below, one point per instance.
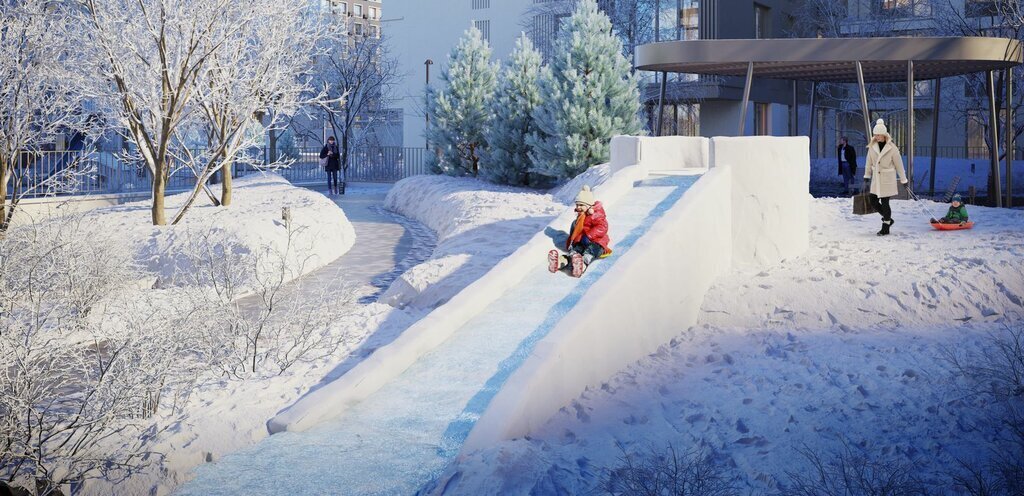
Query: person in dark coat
(846, 155)
(331, 161)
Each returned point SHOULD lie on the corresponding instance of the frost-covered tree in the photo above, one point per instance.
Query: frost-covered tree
(508, 159)
(461, 112)
(253, 83)
(163, 64)
(589, 93)
(39, 100)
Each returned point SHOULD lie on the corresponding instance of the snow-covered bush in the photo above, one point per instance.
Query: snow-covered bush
(253, 312)
(460, 114)
(852, 471)
(996, 374)
(508, 159)
(590, 95)
(71, 379)
(657, 473)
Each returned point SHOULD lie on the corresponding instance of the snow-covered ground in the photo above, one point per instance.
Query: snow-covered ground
(321, 232)
(844, 344)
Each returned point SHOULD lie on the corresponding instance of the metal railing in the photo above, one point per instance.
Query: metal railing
(75, 173)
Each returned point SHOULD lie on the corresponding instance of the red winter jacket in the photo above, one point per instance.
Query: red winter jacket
(595, 228)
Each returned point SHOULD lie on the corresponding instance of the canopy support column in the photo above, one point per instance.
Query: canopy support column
(1009, 130)
(864, 101)
(661, 103)
(813, 121)
(935, 134)
(746, 98)
(996, 190)
(910, 122)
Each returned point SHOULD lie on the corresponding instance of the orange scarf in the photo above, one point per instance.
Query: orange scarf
(577, 231)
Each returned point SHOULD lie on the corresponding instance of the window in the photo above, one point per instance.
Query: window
(481, 4)
(374, 31)
(762, 119)
(485, 29)
(981, 8)
(373, 12)
(762, 22)
(358, 9)
(359, 29)
(689, 18)
(905, 8)
(344, 7)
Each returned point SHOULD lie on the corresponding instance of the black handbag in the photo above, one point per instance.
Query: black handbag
(862, 204)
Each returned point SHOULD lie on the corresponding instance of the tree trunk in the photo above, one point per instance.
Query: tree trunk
(4, 218)
(272, 145)
(159, 187)
(225, 189)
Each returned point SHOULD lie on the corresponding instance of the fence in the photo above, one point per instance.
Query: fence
(73, 173)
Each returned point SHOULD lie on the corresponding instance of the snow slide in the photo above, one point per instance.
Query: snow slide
(394, 422)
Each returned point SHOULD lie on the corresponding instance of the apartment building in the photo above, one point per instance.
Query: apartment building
(362, 16)
(422, 33)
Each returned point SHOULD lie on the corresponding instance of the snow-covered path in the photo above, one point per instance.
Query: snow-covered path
(404, 435)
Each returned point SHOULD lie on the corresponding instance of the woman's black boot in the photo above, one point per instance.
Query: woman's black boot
(886, 223)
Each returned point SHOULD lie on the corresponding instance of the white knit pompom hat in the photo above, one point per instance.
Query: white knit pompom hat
(880, 128)
(585, 196)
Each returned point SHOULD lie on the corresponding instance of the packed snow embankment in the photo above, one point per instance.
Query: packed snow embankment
(845, 344)
(477, 224)
(317, 234)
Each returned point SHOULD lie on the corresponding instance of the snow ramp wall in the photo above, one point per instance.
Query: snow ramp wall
(750, 209)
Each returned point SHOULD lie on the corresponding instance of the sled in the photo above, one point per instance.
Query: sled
(952, 227)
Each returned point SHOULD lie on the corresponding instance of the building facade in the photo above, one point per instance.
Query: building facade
(426, 31)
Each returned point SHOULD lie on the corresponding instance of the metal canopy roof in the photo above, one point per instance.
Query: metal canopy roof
(832, 59)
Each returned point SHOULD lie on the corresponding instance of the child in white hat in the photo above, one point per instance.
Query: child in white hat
(588, 236)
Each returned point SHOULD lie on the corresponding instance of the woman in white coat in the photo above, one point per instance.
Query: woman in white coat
(882, 167)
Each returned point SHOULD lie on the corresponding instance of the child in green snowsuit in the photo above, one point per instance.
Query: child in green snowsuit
(957, 213)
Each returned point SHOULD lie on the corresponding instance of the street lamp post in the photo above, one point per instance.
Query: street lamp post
(426, 114)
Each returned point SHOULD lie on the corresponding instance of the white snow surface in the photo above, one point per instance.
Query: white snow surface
(842, 344)
(252, 223)
(477, 224)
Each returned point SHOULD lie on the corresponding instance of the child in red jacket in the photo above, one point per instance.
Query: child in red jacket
(588, 237)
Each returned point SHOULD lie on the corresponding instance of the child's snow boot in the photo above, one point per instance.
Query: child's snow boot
(554, 261)
(578, 265)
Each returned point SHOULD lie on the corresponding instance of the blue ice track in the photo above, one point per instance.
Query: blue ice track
(403, 436)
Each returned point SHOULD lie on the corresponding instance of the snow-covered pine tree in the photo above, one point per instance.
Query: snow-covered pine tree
(460, 114)
(508, 159)
(589, 93)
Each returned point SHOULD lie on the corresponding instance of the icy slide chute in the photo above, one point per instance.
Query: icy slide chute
(752, 208)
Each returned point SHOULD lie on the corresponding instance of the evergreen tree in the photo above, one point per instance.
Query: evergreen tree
(589, 93)
(460, 114)
(508, 160)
